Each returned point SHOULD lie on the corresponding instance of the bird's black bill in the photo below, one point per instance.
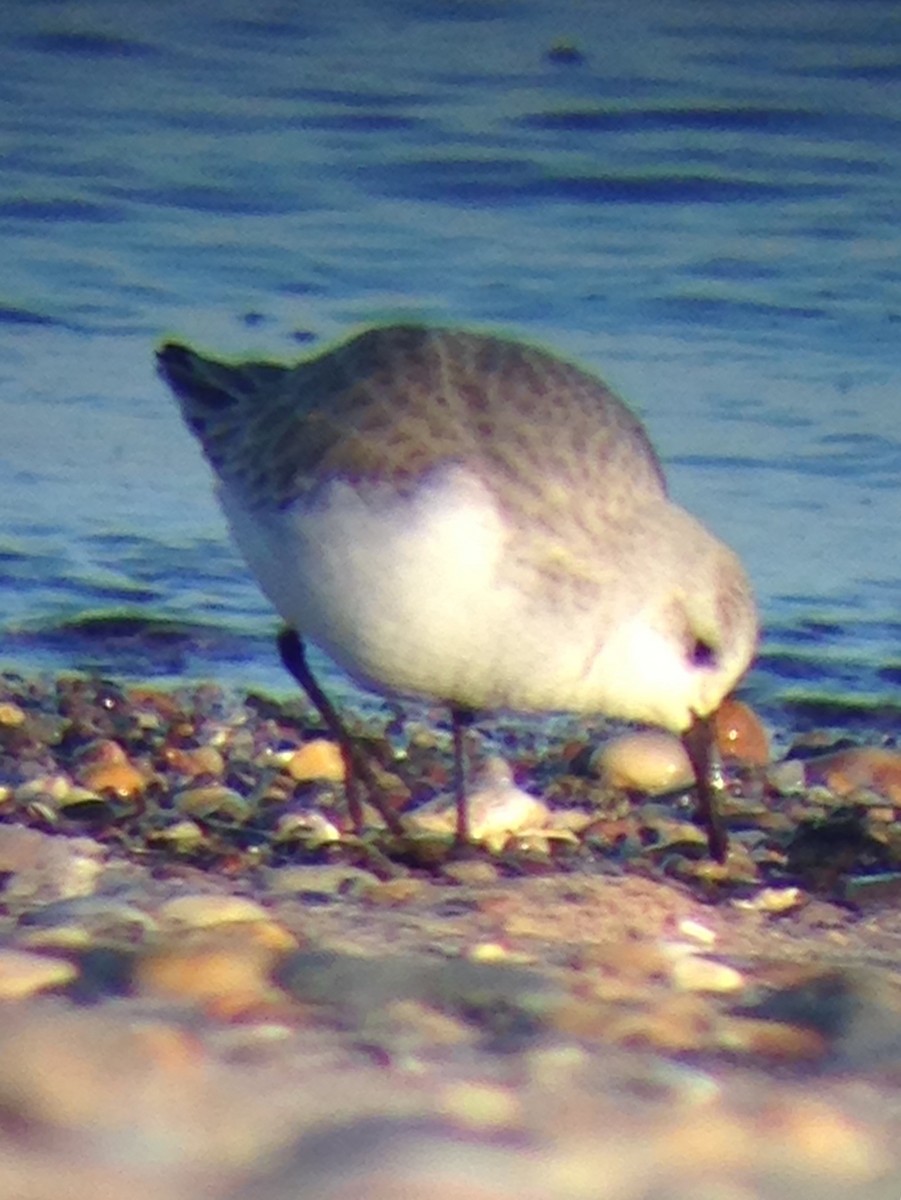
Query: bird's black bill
(293, 655)
(699, 744)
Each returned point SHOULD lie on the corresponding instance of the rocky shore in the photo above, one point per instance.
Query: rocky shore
(209, 987)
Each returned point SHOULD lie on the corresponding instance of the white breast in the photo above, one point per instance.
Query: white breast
(400, 591)
(410, 594)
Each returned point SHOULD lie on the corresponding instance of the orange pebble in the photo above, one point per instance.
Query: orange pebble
(205, 974)
(858, 767)
(740, 734)
(317, 759)
(203, 760)
(119, 777)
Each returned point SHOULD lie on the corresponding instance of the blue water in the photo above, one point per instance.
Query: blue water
(701, 203)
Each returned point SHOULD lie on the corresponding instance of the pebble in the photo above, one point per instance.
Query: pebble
(395, 893)
(481, 1105)
(23, 973)
(648, 761)
(787, 777)
(104, 766)
(49, 789)
(489, 952)
(740, 735)
(363, 985)
(692, 973)
(844, 771)
(696, 930)
(98, 918)
(335, 881)
(772, 1040)
(773, 899)
(497, 807)
(40, 867)
(318, 759)
(11, 715)
(202, 910)
(119, 777)
(311, 827)
(201, 760)
(183, 836)
(473, 872)
(455, 1030)
(209, 970)
(214, 800)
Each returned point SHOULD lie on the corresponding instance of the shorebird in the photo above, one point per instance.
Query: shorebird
(468, 518)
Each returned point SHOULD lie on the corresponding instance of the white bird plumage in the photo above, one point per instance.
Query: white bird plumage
(468, 518)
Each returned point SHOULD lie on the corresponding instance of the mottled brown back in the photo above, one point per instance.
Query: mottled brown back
(394, 402)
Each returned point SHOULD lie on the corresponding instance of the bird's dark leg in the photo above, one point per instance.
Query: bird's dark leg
(356, 767)
(461, 719)
(698, 741)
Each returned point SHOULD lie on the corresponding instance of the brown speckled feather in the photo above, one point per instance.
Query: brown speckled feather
(393, 402)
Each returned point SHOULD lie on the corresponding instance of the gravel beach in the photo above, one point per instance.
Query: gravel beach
(209, 988)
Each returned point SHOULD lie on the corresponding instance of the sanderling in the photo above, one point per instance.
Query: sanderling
(468, 518)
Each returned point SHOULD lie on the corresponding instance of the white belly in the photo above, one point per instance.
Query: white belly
(407, 595)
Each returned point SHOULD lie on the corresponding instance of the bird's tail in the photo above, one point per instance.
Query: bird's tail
(205, 387)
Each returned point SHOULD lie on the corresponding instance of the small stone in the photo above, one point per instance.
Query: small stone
(881, 813)
(61, 938)
(201, 910)
(202, 760)
(774, 1040)
(845, 771)
(337, 881)
(481, 1105)
(183, 836)
(492, 952)
(105, 919)
(213, 801)
(739, 734)
(497, 807)
(311, 827)
(395, 893)
(11, 715)
(787, 777)
(211, 971)
(773, 900)
(697, 931)
(40, 867)
(317, 759)
(649, 761)
(692, 973)
(50, 789)
(23, 974)
(119, 777)
(471, 872)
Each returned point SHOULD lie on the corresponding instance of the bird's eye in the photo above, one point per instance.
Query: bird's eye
(701, 653)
